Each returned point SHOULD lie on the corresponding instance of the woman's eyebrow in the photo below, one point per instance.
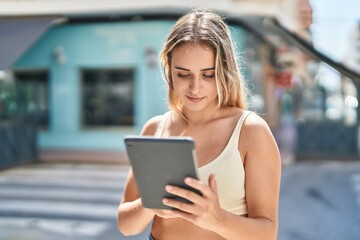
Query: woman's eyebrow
(181, 68)
(208, 69)
(185, 69)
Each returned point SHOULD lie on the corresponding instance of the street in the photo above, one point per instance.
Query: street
(61, 201)
(53, 201)
(320, 201)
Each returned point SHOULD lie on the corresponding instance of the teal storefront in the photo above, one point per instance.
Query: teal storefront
(94, 83)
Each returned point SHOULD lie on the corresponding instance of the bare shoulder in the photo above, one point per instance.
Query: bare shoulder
(255, 126)
(151, 125)
(256, 135)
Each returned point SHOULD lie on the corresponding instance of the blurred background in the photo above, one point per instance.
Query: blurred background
(77, 76)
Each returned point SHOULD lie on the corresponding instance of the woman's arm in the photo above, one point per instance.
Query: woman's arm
(262, 178)
(262, 186)
(133, 218)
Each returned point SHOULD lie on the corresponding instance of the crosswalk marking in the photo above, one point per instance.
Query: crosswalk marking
(60, 208)
(67, 182)
(74, 200)
(73, 173)
(67, 227)
(59, 194)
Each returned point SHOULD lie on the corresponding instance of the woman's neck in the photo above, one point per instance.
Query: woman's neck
(201, 117)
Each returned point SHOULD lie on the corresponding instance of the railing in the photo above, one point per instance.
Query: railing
(17, 143)
(327, 140)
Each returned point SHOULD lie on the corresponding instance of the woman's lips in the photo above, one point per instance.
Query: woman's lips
(195, 99)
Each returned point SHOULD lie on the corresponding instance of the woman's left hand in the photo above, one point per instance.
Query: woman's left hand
(205, 210)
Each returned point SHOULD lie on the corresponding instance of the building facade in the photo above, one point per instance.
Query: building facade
(90, 84)
(94, 77)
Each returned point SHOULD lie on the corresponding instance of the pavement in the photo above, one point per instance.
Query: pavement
(64, 201)
(320, 200)
(53, 201)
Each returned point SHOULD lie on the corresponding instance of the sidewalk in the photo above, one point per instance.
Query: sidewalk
(320, 200)
(87, 156)
(53, 201)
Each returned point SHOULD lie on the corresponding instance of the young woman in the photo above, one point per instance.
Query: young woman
(238, 159)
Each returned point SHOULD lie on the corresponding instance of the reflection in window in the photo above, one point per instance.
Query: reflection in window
(330, 97)
(107, 97)
(32, 96)
(8, 105)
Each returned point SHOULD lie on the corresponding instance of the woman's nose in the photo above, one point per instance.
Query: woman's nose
(195, 85)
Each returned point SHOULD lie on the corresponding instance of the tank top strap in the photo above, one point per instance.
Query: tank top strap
(161, 126)
(236, 134)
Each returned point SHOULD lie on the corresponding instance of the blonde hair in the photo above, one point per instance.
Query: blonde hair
(201, 26)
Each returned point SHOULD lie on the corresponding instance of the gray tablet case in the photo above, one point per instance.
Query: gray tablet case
(157, 162)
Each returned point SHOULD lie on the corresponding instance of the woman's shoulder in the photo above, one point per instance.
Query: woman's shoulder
(253, 119)
(237, 114)
(256, 138)
(255, 128)
(152, 124)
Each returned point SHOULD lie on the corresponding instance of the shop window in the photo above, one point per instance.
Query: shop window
(107, 97)
(32, 96)
(8, 105)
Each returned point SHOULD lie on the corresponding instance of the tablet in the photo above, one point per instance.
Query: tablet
(157, 162)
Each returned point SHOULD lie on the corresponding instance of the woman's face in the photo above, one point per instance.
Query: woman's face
(193, 76)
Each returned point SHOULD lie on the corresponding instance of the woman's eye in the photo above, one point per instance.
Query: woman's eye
(183, 75)
(209, 75)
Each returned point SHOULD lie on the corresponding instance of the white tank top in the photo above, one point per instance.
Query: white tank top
(228, 169)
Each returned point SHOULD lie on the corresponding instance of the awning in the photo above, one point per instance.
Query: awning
(311, 51)
(265, 27)
(18, 34)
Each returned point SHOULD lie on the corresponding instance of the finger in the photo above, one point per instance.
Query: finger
(187, 216)
(184, 193)
(198, 185)
(179, 206)
(174, 213)
(212, 183)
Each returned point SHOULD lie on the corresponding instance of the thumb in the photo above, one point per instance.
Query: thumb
(212, 183)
